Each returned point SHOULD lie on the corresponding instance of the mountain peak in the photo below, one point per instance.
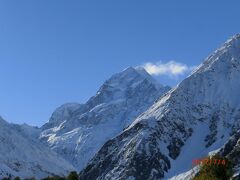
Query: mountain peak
(132, 75)
(224, 58)
(236, 36)
(138, 69)
(233, 42)
(129, 69)
(126, 81)
(78, 134)
(2, 121)
(62, 113)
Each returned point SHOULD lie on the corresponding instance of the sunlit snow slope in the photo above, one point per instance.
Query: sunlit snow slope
(21, 154)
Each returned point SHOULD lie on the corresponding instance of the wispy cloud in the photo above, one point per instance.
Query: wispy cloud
(171, 68)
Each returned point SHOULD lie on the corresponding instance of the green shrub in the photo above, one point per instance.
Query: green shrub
(215, 171)
(72, 176)
(54, 178)
(6, 178)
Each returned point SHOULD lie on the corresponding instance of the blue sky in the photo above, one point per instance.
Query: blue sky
(53, 52)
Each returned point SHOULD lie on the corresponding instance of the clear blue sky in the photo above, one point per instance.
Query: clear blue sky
(53, 52)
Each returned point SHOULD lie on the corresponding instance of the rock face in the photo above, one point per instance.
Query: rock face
(231, 150)
(196, 117)
(21, 154)
(77, 132)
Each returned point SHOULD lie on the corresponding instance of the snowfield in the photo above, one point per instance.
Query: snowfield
(24, 156)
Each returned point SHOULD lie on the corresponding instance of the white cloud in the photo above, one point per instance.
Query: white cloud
(171, 68)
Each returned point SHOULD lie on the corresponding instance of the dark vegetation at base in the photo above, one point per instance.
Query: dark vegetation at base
(72, 176)
(215, 171)
(207, 172)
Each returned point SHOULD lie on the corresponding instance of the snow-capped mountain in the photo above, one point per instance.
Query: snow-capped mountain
(21, 154)
(78, 131)
(196, 117)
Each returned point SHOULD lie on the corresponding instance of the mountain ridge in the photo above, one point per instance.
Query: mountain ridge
(205, 100)
(134, 127)
(79, 135)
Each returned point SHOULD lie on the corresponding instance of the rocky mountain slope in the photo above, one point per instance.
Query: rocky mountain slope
(78, 131)
(196, 117)
(21, 154)
(231, 150)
